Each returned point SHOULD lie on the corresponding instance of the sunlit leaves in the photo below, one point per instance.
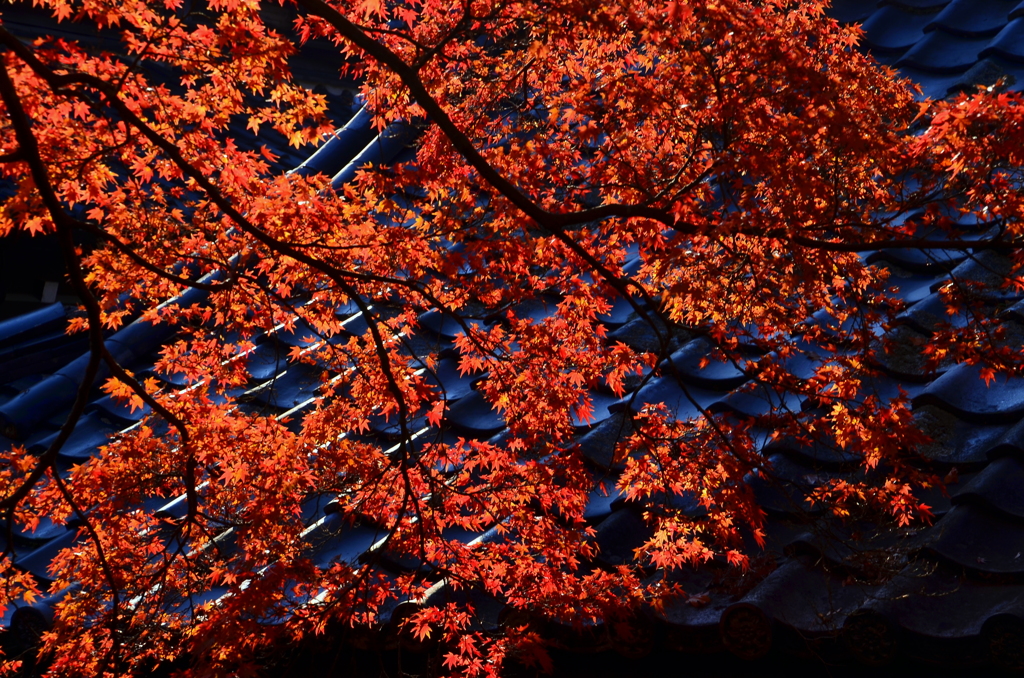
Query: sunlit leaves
(716, 167)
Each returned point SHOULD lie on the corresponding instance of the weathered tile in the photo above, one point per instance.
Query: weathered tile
(956, 442)
(931, 314)
(963, 392)
(446, 376)
(38, 560)
(979, 539)
(807, 598)
(114, 409)
(335, 540)
(756, 399)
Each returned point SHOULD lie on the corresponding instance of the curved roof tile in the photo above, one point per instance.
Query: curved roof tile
(963, 392)
(344, 145)
(973, 18)
(41, 321)
(999, 486)
(475, 416)
(943, 53)
(893, 29)
(940, 603)
(970, 423)
(90, 432)
(1009, 44)
(955, 442)
(979, 539)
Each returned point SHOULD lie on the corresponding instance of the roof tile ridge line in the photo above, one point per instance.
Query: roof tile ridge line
(47, 397)
(380, 150)
(18, 328)
(40, 395)
(344, 144)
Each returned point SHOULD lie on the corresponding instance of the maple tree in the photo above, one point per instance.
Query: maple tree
(744, 151)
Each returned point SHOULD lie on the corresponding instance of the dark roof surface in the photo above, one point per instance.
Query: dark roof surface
(944, 46)
(958, 595)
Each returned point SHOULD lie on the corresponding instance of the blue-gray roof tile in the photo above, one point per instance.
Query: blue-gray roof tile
(962, 392)
(90, 432)
(696, 364)
(943, 53)
(297, 384)
(973, 18)
(975, 427)
(894, 30)
(979, 539)
(475, 416)
(999, 486)
(955, 441)
(1009, 44)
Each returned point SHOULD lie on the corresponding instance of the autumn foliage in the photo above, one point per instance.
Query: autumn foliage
(745, 151)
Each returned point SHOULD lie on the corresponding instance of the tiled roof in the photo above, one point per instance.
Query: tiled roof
(958, 591)
(945, 46)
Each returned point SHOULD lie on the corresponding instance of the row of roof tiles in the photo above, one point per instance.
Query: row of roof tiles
(961, 579)
(981, 529)
(943, 45)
